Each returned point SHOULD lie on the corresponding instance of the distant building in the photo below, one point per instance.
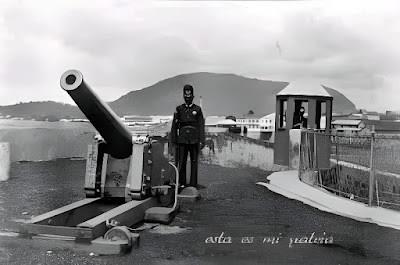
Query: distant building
(132, 120)
(348, 126)
(362, 115)
(357, 116)
(226, 123)
(211, 124)
(251, 122)
(391, 115)
(212, 121)
(362, 124)
(231, 125)
(370, 115)
(161, 119)
(267, 123)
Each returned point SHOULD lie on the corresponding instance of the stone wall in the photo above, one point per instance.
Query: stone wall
(47, 141)
(38, 144)
(233, 150)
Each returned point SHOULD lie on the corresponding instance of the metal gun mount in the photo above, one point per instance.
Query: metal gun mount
(125, 174)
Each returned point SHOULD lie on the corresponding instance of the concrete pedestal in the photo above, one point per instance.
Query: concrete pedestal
(4, 161)
(294, 148)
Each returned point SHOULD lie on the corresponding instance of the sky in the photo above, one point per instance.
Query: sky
(121, 45)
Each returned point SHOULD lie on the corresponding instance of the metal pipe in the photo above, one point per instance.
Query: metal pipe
(117, 137)
(176, 186)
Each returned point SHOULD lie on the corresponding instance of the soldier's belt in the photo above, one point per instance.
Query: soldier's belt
(187, 134)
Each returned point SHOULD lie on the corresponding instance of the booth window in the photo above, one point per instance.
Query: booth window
(282, 113)
(300, 115)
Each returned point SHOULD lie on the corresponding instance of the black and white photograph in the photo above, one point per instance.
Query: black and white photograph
(199, 132)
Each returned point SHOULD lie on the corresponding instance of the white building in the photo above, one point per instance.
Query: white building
(258, 124)
(251, 122)
(267, 123)
(132, 120)
(226, 123)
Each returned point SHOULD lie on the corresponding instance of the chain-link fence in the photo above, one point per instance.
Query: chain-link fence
(361, 168)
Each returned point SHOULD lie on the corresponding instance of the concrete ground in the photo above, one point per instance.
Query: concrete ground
(288, 184)
(231, 204)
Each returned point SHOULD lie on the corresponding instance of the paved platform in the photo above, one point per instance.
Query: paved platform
(231, 203)
(288, 184)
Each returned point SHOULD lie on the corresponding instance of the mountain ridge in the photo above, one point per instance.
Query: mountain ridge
(222, 94)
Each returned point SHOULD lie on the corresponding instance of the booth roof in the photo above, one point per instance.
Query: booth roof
(304, 88)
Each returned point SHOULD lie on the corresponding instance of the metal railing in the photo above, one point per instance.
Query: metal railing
(364, 168)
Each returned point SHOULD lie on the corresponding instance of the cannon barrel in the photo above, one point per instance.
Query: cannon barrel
(116, 135)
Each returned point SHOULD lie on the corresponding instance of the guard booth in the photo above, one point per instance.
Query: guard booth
(317, 104)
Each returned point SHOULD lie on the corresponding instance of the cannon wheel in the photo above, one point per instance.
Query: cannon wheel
(119, 233)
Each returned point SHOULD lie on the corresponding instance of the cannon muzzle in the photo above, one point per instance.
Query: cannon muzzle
(117, 137)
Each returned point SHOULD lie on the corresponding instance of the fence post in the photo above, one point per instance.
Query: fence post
(315, 164)
(371, 172)
(337, 162)
(377, 192)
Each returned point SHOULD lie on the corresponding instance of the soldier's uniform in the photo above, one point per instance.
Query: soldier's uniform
(187, 133)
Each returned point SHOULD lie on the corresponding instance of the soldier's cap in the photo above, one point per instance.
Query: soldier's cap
(187, 91)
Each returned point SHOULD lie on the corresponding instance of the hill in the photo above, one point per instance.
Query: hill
(341, 104)
(42, 110)
(222, 94)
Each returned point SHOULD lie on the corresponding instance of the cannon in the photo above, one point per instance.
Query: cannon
(117, 137)
(128, 176)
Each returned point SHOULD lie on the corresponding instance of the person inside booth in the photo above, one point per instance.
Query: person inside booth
(299, 121)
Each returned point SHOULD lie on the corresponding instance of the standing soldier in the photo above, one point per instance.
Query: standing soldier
(187, 135)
